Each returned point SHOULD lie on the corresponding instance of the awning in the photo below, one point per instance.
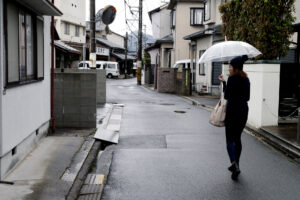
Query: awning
(43, 7)
(122, 56)
(65, 47)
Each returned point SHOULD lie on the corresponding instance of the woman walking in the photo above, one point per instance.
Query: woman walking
(237, 94)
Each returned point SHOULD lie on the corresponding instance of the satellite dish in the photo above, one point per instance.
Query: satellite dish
(108, 14)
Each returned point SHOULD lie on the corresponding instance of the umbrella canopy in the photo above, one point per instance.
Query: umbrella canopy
(225, 51)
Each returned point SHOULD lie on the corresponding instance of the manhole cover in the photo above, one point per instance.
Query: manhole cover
(180, 111)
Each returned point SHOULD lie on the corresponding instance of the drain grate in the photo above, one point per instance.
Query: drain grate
(179, 111)
(90, 197)
(92, 188)
(167, 104)
(94, 179)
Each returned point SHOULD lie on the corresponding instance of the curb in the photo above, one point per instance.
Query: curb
(197, 103)
(279, 144)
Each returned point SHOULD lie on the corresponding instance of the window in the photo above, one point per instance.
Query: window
(83, 31)
(24, 37)
(111, 66)
(173, 18)
(77, 31)
(67, 28)
(202, 65)
(207, 10)
(196, 16)
(98, 66)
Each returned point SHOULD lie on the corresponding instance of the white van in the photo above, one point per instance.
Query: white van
(111, 68)
(182, 64)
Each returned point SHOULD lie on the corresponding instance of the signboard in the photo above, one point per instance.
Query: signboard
(102, 51)
(93, 59)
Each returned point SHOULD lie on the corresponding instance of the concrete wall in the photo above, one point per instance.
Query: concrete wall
(183, 28)
(75, 99)
(166, 80)
(101, 82)
(28, 106)
(74, 12)
(264, 99)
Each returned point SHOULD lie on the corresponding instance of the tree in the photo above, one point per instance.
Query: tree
(266, 24)
(146, 59)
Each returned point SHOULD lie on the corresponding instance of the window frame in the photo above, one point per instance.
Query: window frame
(34, 17)
(67, 30)
(201, 52)
(77, 31)
(192, 16)
(205, 3)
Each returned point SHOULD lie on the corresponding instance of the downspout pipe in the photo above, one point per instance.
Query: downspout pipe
(52, 74)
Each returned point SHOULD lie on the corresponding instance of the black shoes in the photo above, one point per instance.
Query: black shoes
(234, 168)
(231, 168)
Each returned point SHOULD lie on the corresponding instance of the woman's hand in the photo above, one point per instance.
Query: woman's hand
(221, 78)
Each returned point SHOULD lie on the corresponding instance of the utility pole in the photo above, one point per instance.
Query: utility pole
(126, 52)
(92, 32)
(139, 56)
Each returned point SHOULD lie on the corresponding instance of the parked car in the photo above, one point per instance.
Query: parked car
(84, 65)
(111, 68)
(182, 64)
(134, 67)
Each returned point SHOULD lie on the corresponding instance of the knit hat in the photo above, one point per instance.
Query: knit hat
(238, 62)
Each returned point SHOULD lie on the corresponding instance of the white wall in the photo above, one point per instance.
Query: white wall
(1, 68)
(74, 16)
(153, 54)
(203, 44)
(115, 38)
(156, 25)
(264, 94)
(161, 23)
(27, 107)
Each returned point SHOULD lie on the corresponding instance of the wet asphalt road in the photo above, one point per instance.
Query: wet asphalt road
(164, 155)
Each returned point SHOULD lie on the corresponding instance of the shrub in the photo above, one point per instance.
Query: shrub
(266, 24)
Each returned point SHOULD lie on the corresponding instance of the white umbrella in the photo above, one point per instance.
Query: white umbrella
(225, 51)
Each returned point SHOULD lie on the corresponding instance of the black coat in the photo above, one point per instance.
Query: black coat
(237, 94)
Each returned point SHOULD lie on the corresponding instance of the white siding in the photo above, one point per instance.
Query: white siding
(27, 107)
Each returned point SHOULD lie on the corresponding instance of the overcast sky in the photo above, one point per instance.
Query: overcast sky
(119, 25)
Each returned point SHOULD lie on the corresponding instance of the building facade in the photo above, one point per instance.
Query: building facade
(206, 75)
(71, 25)
(24, 77)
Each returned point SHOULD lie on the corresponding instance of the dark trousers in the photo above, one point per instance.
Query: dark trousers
(233, 140)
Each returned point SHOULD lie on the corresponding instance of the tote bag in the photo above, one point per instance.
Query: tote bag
(217, 117)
